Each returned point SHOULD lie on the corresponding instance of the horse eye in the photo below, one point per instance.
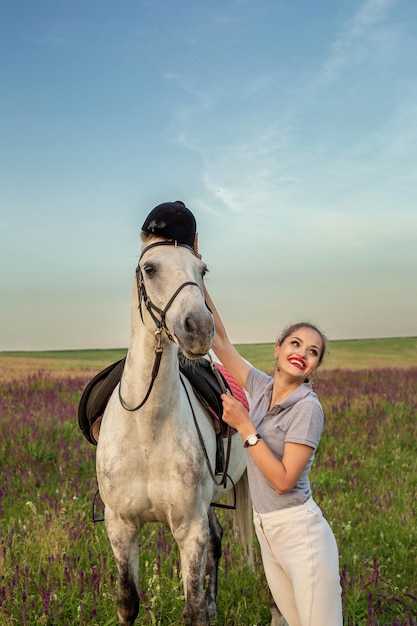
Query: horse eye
(149, 270)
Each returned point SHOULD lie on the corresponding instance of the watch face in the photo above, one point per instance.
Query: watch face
(252, 440)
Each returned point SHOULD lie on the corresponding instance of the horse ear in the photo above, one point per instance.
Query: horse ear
(195, 247)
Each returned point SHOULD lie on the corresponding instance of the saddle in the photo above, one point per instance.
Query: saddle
(200, 374)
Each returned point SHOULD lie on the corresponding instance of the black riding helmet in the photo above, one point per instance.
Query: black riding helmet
(172, 220)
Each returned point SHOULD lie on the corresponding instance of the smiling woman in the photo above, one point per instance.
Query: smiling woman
(301, 346)
(281, 433)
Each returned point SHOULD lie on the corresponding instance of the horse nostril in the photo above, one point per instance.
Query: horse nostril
(190, 325)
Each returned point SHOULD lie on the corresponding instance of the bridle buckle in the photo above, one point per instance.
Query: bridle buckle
(158, 338)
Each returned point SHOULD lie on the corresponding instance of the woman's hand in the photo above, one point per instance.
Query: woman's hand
(236, 415)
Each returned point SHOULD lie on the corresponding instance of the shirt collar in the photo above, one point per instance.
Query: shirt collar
(299, 393)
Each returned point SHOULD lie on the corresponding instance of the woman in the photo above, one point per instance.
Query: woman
(281, 434)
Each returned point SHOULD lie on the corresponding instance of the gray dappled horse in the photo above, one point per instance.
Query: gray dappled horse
(157, 446)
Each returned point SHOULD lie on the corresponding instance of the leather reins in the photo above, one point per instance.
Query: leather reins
(223, 479)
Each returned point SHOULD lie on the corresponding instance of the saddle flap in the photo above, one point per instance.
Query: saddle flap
(204, 383)
(96, 396)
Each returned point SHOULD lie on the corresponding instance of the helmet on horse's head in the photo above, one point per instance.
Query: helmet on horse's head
(172, 220)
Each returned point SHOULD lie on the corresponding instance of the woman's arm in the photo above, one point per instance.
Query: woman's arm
(224, 349)
(283, 475)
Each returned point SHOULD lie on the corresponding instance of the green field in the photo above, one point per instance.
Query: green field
(56, 567)
(398, 352)
(350, 354)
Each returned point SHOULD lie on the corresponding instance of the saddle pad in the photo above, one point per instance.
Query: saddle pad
(237, 391)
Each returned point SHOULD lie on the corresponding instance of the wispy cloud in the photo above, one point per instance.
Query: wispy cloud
(265, 159)
(200, 95)
(355, 42)
(240, 175)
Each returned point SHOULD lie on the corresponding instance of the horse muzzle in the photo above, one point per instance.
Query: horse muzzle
(194, 334)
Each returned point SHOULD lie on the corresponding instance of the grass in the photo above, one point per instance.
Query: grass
(60, 361)
(56, 566)
(397, 352)
(349, 354)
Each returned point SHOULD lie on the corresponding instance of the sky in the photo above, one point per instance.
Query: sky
(289, 128)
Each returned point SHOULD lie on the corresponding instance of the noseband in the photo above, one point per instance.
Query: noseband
(159, 321)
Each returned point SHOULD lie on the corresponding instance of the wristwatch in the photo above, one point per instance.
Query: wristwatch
(252, 440)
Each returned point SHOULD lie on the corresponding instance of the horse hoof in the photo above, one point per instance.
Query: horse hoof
(212, 612)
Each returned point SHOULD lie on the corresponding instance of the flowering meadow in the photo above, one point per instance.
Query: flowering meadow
(56, 566)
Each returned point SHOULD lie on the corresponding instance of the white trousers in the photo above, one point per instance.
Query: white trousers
(301, 562)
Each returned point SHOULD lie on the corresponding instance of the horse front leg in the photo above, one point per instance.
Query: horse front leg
(192, 539)
(123, 537)
(214, 553)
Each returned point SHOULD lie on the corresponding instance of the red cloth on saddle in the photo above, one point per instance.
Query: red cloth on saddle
(237, 391)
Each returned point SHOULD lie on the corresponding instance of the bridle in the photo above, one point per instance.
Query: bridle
(144, 299)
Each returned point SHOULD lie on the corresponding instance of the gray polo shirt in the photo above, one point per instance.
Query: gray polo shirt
(298, 419)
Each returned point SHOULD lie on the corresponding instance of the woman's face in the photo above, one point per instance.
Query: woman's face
(299, 353)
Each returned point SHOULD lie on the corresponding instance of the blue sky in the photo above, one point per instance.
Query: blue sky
(289, 128)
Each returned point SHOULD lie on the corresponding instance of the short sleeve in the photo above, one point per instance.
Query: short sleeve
(305, 423)
(256, 380)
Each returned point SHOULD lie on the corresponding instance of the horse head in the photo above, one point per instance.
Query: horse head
(170, 296)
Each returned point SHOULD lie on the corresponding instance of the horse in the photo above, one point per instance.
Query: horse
(157, 446)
